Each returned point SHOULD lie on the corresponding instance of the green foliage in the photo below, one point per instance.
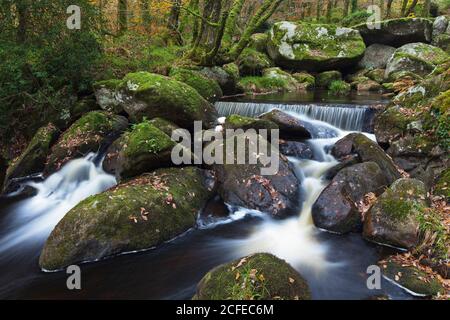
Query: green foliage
(339, 87)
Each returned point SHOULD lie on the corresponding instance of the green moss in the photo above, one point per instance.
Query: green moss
(252, 62)
(325, 79)
(146, 138)
(236, 121)
(261, 84)
(164, 125)
(260, 276)
(339, 87)
(111, 84)
(92, 122)
(431, 227)
(233, 71)
(305, 78)
(207, 88)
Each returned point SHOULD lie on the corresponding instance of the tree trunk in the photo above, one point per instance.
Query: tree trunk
(388, 8)
(22, 7)
(122, 15)
(231, 21)
(329, 8)
(346, 7)
(145, 14)
(174, 21)
(404, 5)
(426, 8)
(411, 8)
(354, 7)
(382, 8)
(318, 9)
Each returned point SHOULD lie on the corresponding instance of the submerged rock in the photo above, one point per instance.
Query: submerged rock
(418, 58)
(289, 126)
(411, 278)
(397, 32)
(394, 218)
(376, 56)
(244, 185)
(336, 208)
(92, 131)
(137, 215)
(367, 150)
(142, 149)
(206, 87)
(33, 158)
(261, 276)
(313, 47)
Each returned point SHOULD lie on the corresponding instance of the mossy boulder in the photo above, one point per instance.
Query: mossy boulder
(390, 124)
(105, 93)
(441, 33)
(394, 218)
(88, 134)
(252, 62)
(290, 126)
(307, 80)
(235, 121)
(227, 76)
(364, 84)
(418, 58)
(376, 75)
(411, 278)
(232, 69)
(142, 149)
(208, 88)
(148, 95)
(324, 79)
(258, 42)
(339, 87)
(33, 158)
(336, 208)
(164, 125)
(272, 80)
(376, 56)
(314, 47)
(248, 185)
(260, 276)
(396, 32)
(139, 214)
(367, 150)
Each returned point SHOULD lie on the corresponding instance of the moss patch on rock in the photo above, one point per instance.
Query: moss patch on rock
(260, 276)
(235, 121)
(252, 62)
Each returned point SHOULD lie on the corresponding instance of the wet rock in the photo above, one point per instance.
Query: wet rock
(296, 149)
(142, 149)
(411, 278)
(259, 276)
(94, 130)
(347, 162)
(397, 32)
(418, 58)
(393, 219)
(336, 208)
(367, 150)
(313, 47)
(289, 125)
(376, 56)
(206, 87)
(140, 214)
(245, 185)
(33, 158)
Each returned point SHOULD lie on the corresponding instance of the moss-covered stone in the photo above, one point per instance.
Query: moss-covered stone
(33, 158)
(261, 276)
(252, 62)
(376, 75)
(233, 70)
(164, 125)
(339, 87)
(240, 122)
(105, 93)
(147, 95)
(208, 88)
(364, 84)
(86, 135)
(390, 124)
(306, 79)
(272, 80)
(314, 47)
(258, 42)
(418, 58)
(142, 149)
(137, 215)
(227, 76)
(324, 79)
(394, 219)
(411, 278)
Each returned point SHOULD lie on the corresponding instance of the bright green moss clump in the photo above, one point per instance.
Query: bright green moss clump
(339, 87)
(146, 138)
(240, 122)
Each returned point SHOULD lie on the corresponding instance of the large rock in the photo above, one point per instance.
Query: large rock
(376, 56)
(296, 149)
(136, 215)
(164, 125)
(313, 47)
(441, 33)
(245, 185)
(235, 121)
(325, 79)
(258, 42)
(440, 26)
(139, 151)
(92, 131)
(336, 208)
(367, 150)
(411, 278)
(289, 126)
(148, 95)
(105, 93)
(33, 158)
(272, 80)
(394, 218)
(261, 276)
(252, 62)
(227, 77)
(397, 32)
(208, 88)
(418, 58)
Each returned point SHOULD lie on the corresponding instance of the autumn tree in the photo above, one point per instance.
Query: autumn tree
(388, 8)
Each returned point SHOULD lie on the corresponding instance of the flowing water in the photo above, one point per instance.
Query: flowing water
(334, 265)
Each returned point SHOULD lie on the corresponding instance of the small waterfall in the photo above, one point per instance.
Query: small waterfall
(343, 116)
